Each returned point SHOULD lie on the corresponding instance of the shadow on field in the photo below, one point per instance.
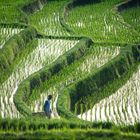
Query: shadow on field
(128, 4)
(84, 2)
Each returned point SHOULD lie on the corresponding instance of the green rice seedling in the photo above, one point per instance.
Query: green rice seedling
(6, 33)
(48, 51)
(47, 21)
(23, 125)
(104, 25)
(132, 16)
(87, 65)
(36, 73)
(15, 49)
(107, 125)
(137, 127)
(124, 104)
(10, 11)
(14, 125)
(32, 126)
(5, 124)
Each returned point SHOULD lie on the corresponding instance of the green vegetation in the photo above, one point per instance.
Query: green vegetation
(95, 82)
(103, 106)
(10, 11)
(7, 32)
(43, 124)
(132, 16)
(101, 25)
(43, 55)
(47, 21)
(90, 62)
(37, 79)
(71, 135)
(85, 53)
(12, 51)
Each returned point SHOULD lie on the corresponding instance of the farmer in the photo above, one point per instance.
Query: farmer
(47, 107)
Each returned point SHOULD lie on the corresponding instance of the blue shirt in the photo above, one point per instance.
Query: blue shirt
(47, 105)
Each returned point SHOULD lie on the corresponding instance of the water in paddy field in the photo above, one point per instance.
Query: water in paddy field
(6, 34)
(121, 107)
(97, 57)
(47, 51)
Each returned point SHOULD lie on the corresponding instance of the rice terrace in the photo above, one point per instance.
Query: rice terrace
(79, 57)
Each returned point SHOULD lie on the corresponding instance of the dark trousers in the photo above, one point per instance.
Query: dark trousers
(48, 114)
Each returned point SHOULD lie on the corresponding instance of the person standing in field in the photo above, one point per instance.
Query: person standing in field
(47, 107)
